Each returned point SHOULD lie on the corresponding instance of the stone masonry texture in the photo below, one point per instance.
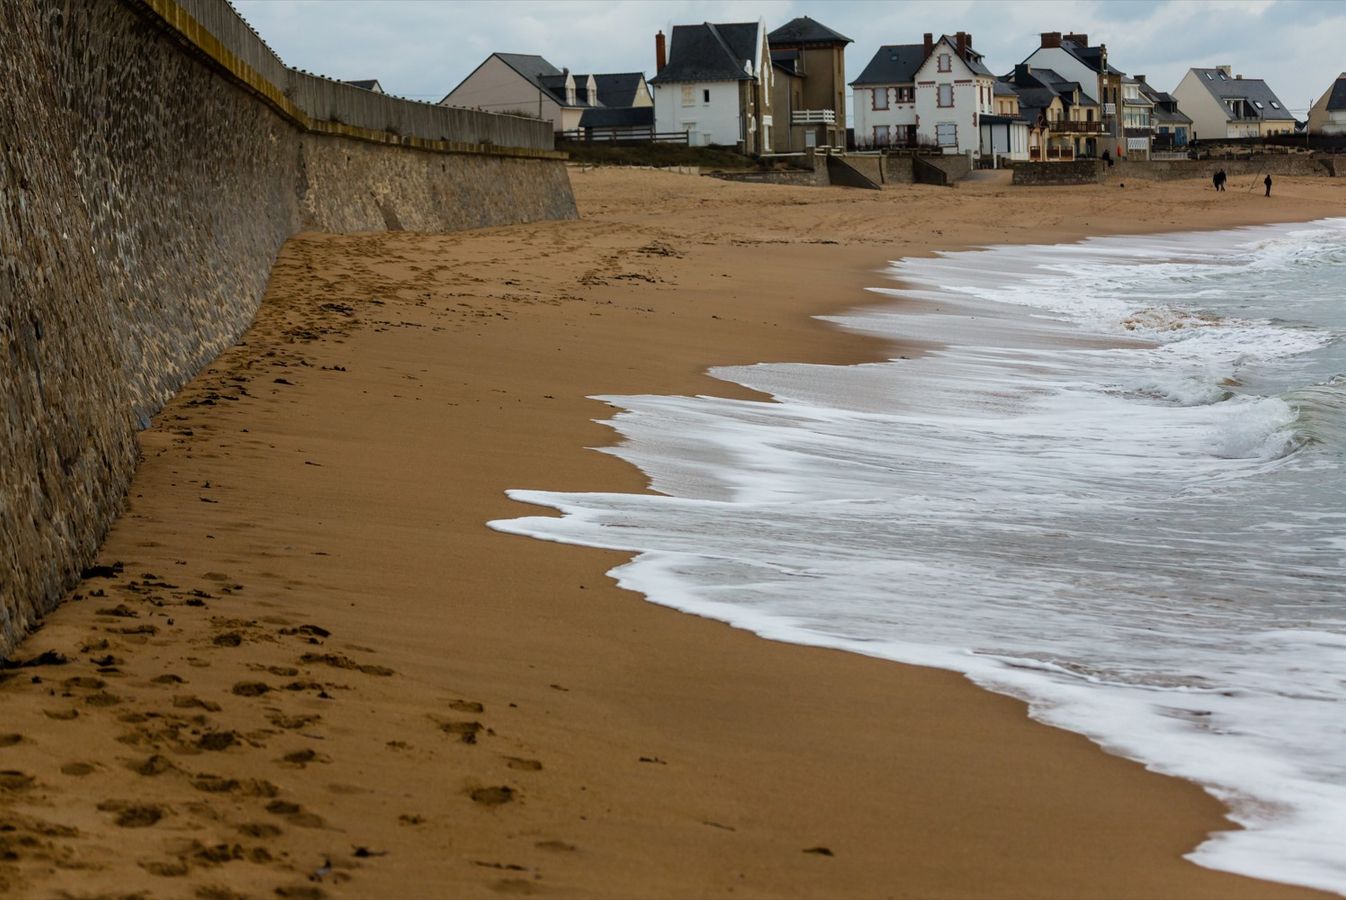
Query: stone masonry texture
(143, 198)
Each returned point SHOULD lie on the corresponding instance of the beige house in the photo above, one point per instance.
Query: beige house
(527, 84)
(1224, 105)
(1328, 115)
(1064, 121)
(809, 96)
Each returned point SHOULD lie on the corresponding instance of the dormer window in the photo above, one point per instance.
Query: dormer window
(945, 62)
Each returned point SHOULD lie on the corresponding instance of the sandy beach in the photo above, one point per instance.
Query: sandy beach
(305, 667)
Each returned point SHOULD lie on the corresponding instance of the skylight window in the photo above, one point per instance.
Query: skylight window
(1224, 77)
(1274, 105)
(1210, 77)
(1257, 103)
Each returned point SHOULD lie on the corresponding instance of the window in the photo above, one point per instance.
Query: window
(946, 95)
(705, 96)
(880, 99)
(946, 134)
(880, 135)
(1274, 105)
(688, 95)
(1210, 77)
(906, 95)
(945, 62)
(1223, 77)
(1257, 103)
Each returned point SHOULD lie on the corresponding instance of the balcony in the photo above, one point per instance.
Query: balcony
(813, 117)
(1109, 109)
(1066, 126)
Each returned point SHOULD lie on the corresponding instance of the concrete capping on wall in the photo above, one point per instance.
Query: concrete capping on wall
(327, 106)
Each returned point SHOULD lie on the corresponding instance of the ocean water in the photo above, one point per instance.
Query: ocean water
(1118, 492)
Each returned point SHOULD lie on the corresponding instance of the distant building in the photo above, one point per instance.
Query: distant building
(1224, 105)
(1172, 126)
(716, 85)
(1004, 133)
(1071, 57)
(370, 84)
(885, 97)
(1062, 120)
(527, 84)
(953, 90)
(1328, 115)
(1137, 119)
(809, 101)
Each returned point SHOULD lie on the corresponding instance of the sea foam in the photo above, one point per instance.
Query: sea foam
(1116, 490)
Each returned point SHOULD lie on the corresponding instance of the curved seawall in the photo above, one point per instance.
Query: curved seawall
(154, 156)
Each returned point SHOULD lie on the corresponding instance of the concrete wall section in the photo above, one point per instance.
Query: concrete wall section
(1080, 171)
(143, 198)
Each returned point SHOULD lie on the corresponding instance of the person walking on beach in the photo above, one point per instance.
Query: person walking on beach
(1267, 182)
(1223, 178)
(1215, 181)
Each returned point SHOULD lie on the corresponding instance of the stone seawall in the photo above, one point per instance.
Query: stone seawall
(1079, 171)
(143, 198)
(1174, 169)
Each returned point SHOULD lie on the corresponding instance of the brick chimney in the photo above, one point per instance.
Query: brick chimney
(929, 44)
(1141, 78)
(961, 43)
(1022, 72)
(660, 53)
(1081, 39)
(1051, 39)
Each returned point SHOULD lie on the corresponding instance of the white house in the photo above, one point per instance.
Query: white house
(1224, 105)
(953, 91)
(885, 97)
(715, 85)
(1328, 115)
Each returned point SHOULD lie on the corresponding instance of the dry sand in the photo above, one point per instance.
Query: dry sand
(316, 670)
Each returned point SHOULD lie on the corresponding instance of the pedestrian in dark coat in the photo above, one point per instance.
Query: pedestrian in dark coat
(1267, 182)
(1215, 181)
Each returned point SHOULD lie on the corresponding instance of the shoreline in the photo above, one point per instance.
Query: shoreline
(672, 755)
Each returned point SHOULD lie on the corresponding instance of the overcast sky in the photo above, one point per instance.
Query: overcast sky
(423, 48)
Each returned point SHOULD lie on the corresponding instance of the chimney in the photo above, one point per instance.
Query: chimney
(929, 44)
(1224, 69)
(1081, 39)
(960, 41)
(660, 53)
(1238, 77)
(1140, 78)
(1022, 72)
(1051, 39)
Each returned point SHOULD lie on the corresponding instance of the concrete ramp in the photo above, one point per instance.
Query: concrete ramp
(848, 172)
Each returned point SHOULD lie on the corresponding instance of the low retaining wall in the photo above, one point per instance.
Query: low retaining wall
(1175, 169)
(144, 194)
(1078, 171)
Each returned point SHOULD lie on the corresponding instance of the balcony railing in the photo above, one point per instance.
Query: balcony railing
(1109, 109)
(813, 117)
(1066, 126)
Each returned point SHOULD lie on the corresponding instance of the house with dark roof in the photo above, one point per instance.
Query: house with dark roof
(1328, 115)
(1058, 112)
(954, 89)
(1004, 132)
(714, 82)
(1172, 126)
(885, 96)
(527, 84)
(368, 84)
(1225, 105)
(809, 91)
(1073, 57)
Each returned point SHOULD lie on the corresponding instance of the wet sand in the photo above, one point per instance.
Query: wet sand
(310, 669)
